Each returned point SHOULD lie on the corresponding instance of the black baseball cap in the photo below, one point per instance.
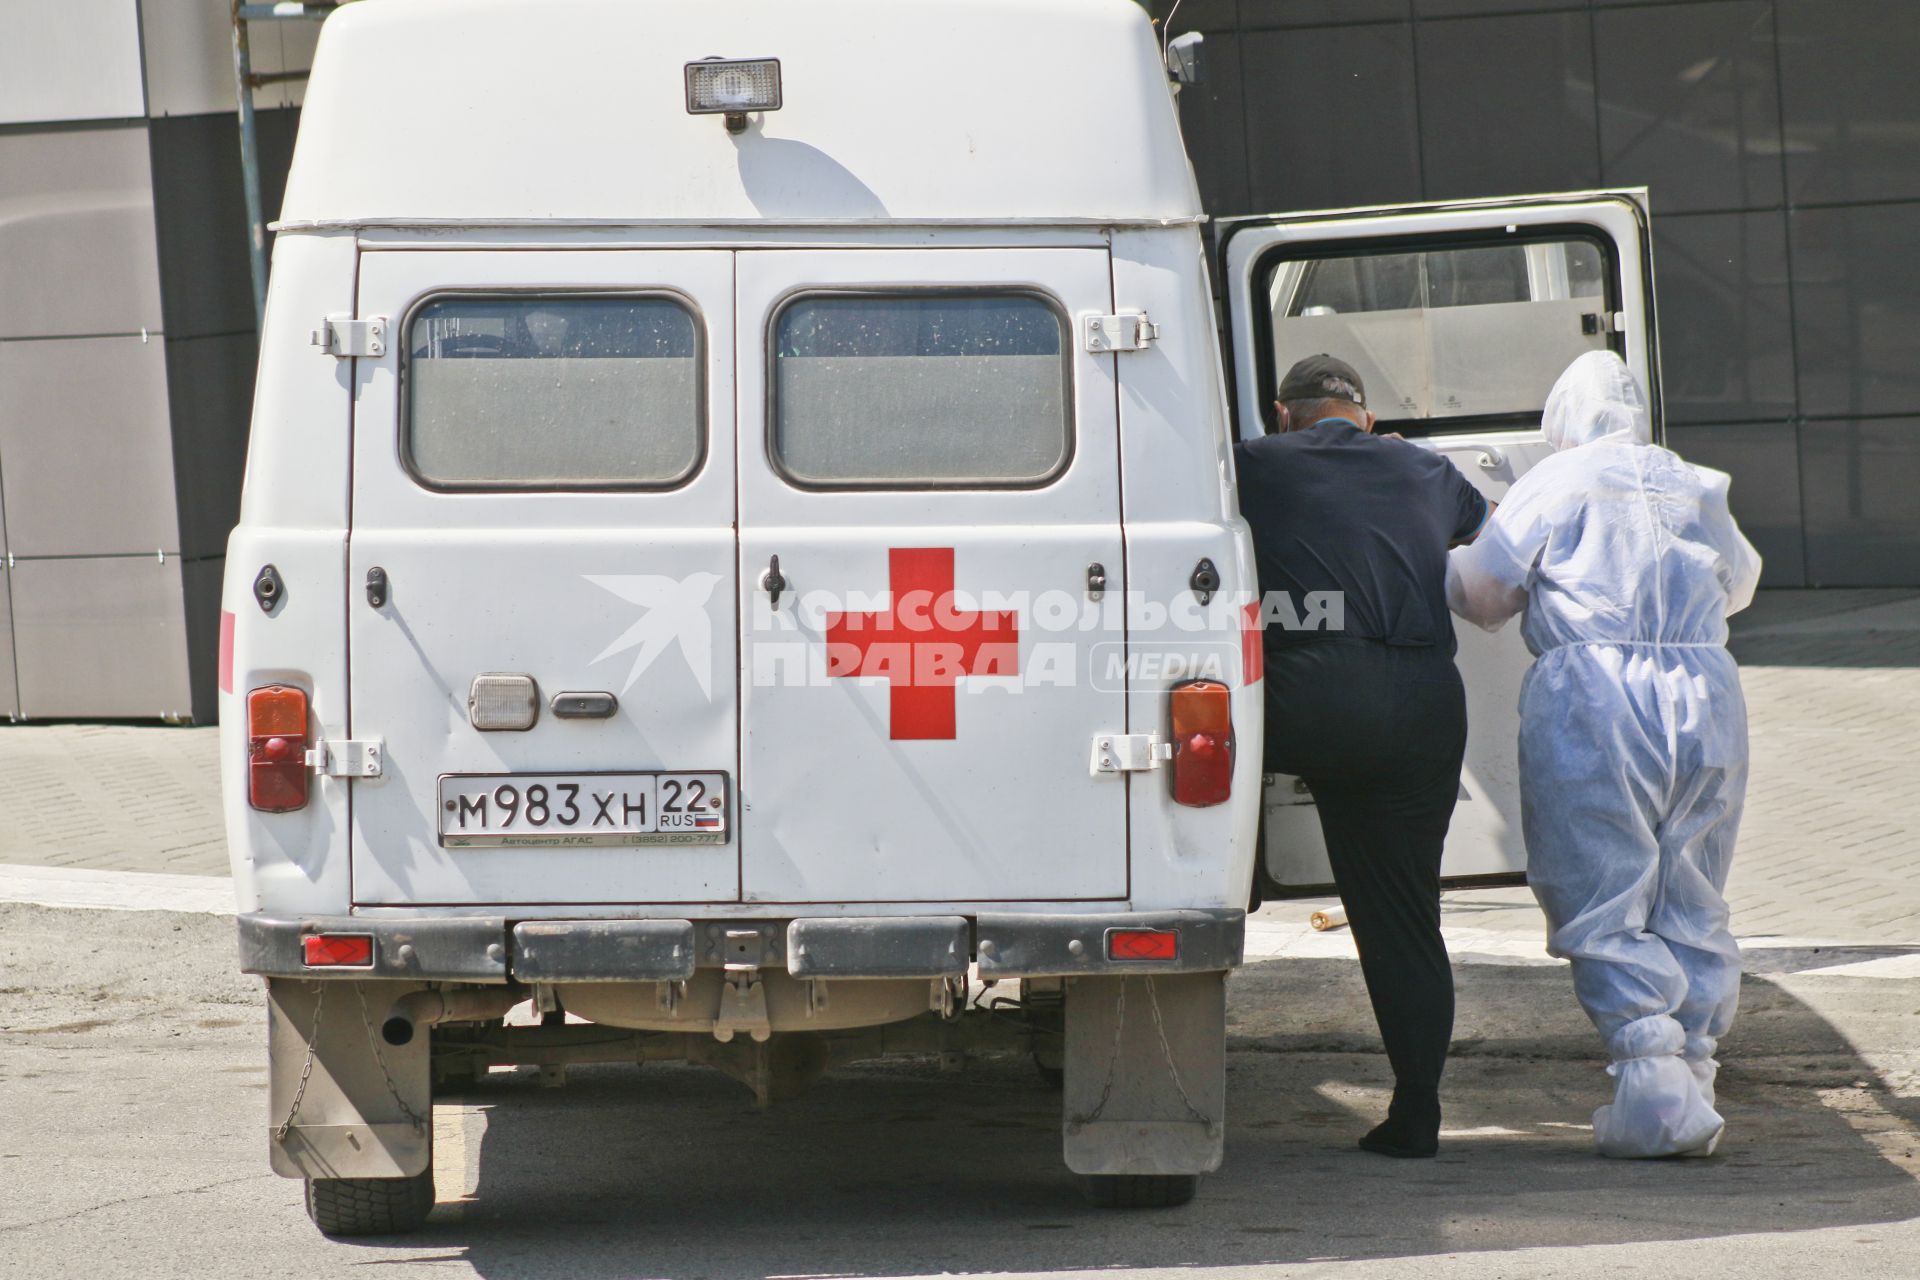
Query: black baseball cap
(1323, 377)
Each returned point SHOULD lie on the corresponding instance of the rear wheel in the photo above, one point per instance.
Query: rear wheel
(1141, 1190)
(370, 1206)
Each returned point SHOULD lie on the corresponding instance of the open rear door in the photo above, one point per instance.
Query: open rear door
(1459, 317)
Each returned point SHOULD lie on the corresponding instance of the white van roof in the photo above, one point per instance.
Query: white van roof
(500, 112)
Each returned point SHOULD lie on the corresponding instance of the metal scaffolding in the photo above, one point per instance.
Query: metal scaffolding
(245, 81)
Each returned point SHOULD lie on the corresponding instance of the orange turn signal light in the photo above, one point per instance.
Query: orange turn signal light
(1202, 742)
(277, 775)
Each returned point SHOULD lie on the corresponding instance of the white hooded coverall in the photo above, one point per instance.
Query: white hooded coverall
(1633, 738)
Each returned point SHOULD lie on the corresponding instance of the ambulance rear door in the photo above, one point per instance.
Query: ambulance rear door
(929, 506)
(1458, 317)
(541, 569)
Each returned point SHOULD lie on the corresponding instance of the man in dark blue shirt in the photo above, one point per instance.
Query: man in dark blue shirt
(1350, 536)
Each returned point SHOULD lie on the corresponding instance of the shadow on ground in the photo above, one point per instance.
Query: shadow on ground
(901, 1169)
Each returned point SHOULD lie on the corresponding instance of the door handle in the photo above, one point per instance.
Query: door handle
(773, 581)
(1491, 459)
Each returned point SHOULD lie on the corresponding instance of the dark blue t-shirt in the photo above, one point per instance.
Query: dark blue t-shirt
(1335, 509)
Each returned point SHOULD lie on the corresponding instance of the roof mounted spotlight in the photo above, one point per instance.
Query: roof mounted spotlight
(732, 87)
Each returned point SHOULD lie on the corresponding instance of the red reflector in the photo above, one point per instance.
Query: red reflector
(1202, 742)
(277, 775)
(345, 950)
(1143, 944)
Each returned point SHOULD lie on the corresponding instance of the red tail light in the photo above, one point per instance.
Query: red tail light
(1143, 944)
(337, 950)
(1202, 743)
(277, 771)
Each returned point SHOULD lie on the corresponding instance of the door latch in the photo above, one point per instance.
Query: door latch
(1128, 752)
(348, 757)
(1096, 580)
(773, 581)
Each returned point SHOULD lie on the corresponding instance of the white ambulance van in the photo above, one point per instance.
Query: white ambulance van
(740, 551)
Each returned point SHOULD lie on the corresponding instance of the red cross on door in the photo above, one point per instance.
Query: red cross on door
(921, 644)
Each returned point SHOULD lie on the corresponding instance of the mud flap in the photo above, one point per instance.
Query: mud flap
(1146, 1077)
(358, 1107)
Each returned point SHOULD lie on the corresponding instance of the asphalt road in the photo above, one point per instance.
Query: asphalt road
(132, 1143)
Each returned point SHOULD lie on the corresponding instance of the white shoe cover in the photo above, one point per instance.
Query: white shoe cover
(1658, 1108)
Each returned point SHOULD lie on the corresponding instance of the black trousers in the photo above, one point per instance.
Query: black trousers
(1378, 734)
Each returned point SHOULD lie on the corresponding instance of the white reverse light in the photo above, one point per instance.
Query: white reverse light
(733, 87)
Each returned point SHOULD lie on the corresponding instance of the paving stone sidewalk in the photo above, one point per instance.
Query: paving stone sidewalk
(1830, 848)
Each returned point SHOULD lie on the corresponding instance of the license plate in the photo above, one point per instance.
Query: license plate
(560, 810)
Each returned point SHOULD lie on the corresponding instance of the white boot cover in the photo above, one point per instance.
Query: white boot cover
(1657, 1108)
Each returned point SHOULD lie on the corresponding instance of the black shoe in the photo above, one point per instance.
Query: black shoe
(1403, 1141)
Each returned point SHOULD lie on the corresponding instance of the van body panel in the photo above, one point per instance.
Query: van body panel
(878, 123)
(1485, 841)
(855, 789)
(628, 592)
(293, 516)
(1176, 471)
(289, 862)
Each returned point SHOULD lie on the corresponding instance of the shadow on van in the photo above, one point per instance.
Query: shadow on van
(788, 179)
(898, 1169)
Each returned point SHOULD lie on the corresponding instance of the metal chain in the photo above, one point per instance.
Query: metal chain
(373, 1042)
(1166, 1051)
(1113, 1057)
(306, 1069)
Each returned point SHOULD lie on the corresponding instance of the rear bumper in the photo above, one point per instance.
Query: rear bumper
(494, 949)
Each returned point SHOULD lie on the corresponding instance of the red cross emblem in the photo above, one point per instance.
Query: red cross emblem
(922, 644)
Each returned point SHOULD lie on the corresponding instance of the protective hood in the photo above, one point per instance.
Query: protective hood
(1597, 398)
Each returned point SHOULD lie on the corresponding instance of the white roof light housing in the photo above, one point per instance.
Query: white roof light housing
(732, 87)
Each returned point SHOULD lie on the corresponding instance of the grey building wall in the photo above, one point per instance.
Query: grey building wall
(126, 347)
(1781, 142)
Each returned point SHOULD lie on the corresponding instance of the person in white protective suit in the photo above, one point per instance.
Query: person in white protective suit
(1633, 738)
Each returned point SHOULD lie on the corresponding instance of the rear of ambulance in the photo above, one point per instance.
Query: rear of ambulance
(738, 639)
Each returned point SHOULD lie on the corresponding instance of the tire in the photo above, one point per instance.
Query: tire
(1140, 1190)
(370, 1206)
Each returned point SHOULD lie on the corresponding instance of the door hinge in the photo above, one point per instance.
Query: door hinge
(1127, 331)
(348, 757)
(343, 336)
(1128, 752)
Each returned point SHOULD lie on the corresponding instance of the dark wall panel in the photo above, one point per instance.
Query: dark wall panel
(1856, 299)
(1461, 8)
(1506, 105)
(201, 213)
(1284, 13)
(1726, 317)
(1863, 502)
(1689, 104)
(1851, 99)
(1331, 118)
(210, 388)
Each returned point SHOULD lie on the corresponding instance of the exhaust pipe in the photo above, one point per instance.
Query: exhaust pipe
(431, 1008)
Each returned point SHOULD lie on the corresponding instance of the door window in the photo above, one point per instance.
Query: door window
(545, 392)
(920, 391)
(1446, 337)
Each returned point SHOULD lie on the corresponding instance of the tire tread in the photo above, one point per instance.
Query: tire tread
(370, 1206)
